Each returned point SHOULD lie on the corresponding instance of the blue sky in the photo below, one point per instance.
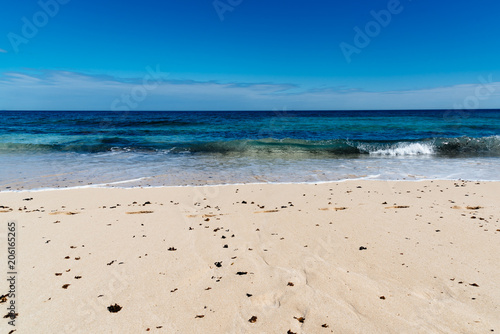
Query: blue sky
(249, 54)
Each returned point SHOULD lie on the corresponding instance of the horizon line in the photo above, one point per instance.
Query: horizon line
(250, 110)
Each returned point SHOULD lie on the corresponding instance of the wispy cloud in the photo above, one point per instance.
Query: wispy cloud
(3, 51)
(77, 91)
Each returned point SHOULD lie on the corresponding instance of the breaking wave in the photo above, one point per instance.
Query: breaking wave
(448, 147)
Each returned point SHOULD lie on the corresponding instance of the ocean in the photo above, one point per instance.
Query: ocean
(56, 149)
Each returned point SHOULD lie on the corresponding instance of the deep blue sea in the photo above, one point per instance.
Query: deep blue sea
(50, 149)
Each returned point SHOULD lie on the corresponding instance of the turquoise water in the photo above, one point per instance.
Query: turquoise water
(59, 149)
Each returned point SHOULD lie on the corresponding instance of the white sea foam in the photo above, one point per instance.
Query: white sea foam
(404, 149)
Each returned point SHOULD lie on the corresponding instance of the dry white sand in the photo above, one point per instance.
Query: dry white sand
(351, 257)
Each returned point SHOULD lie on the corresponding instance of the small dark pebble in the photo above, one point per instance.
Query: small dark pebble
(114, 308)
(362, 248)
(252, 319)
(9, 315)
(241, 273)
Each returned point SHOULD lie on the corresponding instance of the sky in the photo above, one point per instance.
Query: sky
(249, 54)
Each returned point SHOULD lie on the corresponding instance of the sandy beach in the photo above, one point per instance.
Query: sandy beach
(347, 257)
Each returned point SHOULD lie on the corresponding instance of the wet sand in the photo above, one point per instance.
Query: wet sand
(349, 257)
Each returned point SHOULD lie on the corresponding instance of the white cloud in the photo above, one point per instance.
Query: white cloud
(56, 90)
(3, 51)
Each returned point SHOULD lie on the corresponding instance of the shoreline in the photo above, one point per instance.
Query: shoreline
(107, 185)
(358, 256)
